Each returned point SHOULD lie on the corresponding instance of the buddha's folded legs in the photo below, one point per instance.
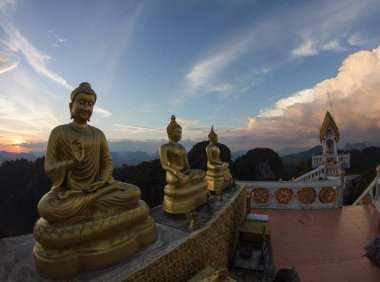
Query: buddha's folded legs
(69, 206)
(193, 176)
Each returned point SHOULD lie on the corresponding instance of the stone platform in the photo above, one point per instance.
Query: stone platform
(177, 254)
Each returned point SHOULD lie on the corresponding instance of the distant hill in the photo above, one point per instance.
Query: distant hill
(131, 158)
(197, 155)
(359, 146)
(290, 150)
(259, 164)
(118, 158)
(235, 155)
(8, 156)
(294, 162)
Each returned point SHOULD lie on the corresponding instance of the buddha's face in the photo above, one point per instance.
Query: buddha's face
(176, 135)
(214, 139)
(82, 106)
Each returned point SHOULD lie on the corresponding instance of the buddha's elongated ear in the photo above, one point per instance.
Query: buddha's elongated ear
(71, 113)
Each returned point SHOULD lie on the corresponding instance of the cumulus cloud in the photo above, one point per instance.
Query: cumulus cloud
(303, 96)
(354, 95)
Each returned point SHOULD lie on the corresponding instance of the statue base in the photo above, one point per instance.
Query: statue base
(217, 183)
(56, 263)
(181, 200)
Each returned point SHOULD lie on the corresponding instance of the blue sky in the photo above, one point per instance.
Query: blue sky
(259, 71)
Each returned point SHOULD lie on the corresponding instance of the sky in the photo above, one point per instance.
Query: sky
(263, 73)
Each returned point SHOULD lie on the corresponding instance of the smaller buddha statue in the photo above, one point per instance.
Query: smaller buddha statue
(88, 219)
(218, 174)
(186, 188)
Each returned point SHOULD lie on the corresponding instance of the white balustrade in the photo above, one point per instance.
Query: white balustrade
(295, 195)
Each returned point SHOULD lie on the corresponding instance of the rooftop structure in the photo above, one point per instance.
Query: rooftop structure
(329, 137)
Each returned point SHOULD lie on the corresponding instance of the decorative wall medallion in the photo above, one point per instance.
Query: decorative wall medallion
(306, 195)
(327, 195)
(367, 200)
(284, 195)
(260, 195)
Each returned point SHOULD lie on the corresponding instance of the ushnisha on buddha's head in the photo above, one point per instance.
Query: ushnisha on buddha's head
(174, 130)
(212, 136)
(82, 103)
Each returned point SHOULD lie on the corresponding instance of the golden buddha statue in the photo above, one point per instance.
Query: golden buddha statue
(218, 174)
(186, 188)
(88, 220)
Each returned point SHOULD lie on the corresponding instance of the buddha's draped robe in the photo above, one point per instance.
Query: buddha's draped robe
(214, 163)
(67, 201)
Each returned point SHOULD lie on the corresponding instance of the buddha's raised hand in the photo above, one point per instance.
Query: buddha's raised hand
(77, 151)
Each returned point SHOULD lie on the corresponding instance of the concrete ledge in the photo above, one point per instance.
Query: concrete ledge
(176, 255)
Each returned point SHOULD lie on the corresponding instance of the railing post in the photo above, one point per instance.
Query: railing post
(341, 173)
(377, 191)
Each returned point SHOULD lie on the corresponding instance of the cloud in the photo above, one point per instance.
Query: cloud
(312, 47)
(356, 40)
(333, 45)
(137, 129)
(201, 75)
(331, 27)
(187, 121)
(208, 74)
(6, 106)
(9, 67)
(102, 112)
(303, 31)
(18, 43)
(303, 96)
(354, 95)
(28, 110)
(8, 5)
(305, 49)
(8, 60)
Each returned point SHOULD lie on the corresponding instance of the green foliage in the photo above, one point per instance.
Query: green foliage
(23, 183)
(148, 176)
(302, 167)
(363, 160)
(258, 164)
(198, 158)
(361, 184)
(295, 164)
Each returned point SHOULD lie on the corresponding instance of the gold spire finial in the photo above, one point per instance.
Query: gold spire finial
(212, 133)
(328, 122)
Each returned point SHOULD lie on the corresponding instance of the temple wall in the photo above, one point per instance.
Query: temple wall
(213, 245)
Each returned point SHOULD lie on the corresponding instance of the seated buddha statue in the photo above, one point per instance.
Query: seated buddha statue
(186, 188)
(218, 174)
(88, 220)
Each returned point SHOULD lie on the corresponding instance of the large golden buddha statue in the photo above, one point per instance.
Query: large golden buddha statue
(218, 174)
(88, 220)
(186, 188)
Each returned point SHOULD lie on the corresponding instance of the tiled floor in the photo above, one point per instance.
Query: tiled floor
(325, 245)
